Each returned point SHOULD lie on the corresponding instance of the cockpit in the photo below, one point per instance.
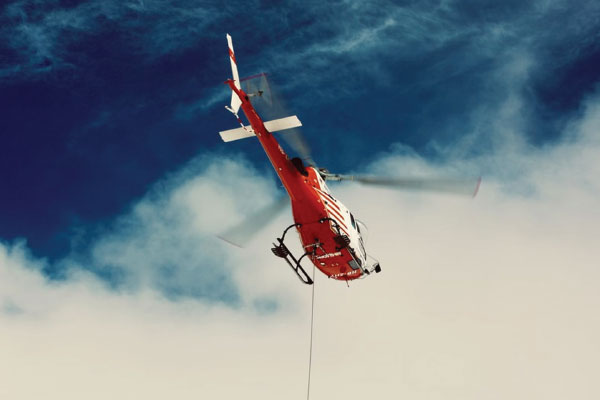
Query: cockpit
(354, 222)
(362, 230)
(363, 234)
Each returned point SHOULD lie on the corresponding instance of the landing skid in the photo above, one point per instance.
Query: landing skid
(282, 251)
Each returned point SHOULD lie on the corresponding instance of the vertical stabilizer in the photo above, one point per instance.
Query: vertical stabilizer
(235, 100)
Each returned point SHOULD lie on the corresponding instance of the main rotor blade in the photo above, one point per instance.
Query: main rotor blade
(296, 140)
(465, 187)
(270, 104)
(239, 235)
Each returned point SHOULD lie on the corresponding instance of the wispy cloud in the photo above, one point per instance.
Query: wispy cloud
(212, 97)
(41, 33)
(377, 41)
(342, 41)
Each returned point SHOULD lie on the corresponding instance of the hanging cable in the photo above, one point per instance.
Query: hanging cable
(312, 319)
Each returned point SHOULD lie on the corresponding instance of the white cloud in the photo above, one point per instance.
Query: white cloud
(77, 339)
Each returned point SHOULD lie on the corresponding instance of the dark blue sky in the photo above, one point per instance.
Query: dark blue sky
(99, 101)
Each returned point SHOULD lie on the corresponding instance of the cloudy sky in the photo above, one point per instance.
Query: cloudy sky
(114, 182)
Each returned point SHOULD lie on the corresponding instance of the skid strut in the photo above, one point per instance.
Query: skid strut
(282, 251)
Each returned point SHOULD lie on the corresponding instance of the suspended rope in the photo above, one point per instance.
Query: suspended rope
(312, 319)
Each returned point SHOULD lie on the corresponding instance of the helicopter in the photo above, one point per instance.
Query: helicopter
(331, 237)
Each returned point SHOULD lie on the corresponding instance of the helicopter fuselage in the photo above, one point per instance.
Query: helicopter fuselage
(329, 233)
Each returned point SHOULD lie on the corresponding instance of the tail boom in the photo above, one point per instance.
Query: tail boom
(287, 172)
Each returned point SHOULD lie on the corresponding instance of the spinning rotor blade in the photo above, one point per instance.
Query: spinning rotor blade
(295, 139)
(239, 235)
(268, 102)
(466, 187)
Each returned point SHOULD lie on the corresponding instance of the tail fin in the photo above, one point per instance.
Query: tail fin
(235, 100)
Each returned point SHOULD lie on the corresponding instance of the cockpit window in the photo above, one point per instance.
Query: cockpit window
(353, 221)
(362, 229)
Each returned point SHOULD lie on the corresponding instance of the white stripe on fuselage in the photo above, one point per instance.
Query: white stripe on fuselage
(335, 209)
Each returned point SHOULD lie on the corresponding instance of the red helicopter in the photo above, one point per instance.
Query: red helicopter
(332, 238)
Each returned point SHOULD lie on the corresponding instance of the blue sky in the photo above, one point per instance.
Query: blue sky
(102, 99)
(114, 182)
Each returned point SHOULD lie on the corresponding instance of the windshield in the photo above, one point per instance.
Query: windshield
(363, 230)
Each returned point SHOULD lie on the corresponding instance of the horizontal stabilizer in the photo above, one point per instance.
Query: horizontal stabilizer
(282, 124)
(236, 134)
(272, 126)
